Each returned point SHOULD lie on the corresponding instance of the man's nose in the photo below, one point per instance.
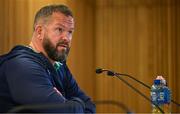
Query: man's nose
(65, 36)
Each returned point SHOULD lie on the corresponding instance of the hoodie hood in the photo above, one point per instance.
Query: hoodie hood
(19, 51)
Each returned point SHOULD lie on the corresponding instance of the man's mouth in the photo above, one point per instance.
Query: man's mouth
(63, 45)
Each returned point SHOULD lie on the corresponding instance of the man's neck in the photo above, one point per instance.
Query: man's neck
(38, 50)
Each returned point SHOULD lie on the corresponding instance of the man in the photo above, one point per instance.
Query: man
(37, 74)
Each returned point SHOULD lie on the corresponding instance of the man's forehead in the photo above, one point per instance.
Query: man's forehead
(62, 19)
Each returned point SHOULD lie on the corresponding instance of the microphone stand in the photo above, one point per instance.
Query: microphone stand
(145, 85)
(136, 90)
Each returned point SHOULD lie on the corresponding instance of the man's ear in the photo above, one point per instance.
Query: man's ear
(39, 31)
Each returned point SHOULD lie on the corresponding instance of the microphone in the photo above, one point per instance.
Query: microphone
(100, 70)
(111, 73)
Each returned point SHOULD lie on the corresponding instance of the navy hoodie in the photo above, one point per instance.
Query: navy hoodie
(28, 78)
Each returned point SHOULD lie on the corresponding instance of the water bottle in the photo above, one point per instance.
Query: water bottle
(161, 96)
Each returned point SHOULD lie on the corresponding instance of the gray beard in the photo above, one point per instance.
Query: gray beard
(53, 53)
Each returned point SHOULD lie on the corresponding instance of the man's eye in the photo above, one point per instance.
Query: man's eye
(60, 29)
(70, 32)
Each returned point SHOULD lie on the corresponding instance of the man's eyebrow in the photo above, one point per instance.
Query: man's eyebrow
(64, 26)
(60, 25)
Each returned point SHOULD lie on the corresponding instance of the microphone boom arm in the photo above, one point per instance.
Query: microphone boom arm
(133, 79)
(136, 90)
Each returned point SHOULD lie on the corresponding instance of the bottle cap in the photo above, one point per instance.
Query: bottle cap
(162, 80)
(157, 82)
(160, 77)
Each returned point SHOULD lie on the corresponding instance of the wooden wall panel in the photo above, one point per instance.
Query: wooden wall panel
(176, 79)
(11, 30)
(81, 59)
(137, 37)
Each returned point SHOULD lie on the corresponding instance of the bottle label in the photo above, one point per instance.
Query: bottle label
(161, 96)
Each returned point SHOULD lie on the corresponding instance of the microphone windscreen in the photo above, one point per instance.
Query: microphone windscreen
(99, 70)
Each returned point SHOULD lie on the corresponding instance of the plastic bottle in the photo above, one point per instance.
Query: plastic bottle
(160, 95)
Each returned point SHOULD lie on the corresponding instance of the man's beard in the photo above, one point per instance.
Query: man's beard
(52, 51)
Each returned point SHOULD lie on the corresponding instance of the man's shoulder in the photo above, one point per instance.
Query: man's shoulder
(21, 55)
(12, 54)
